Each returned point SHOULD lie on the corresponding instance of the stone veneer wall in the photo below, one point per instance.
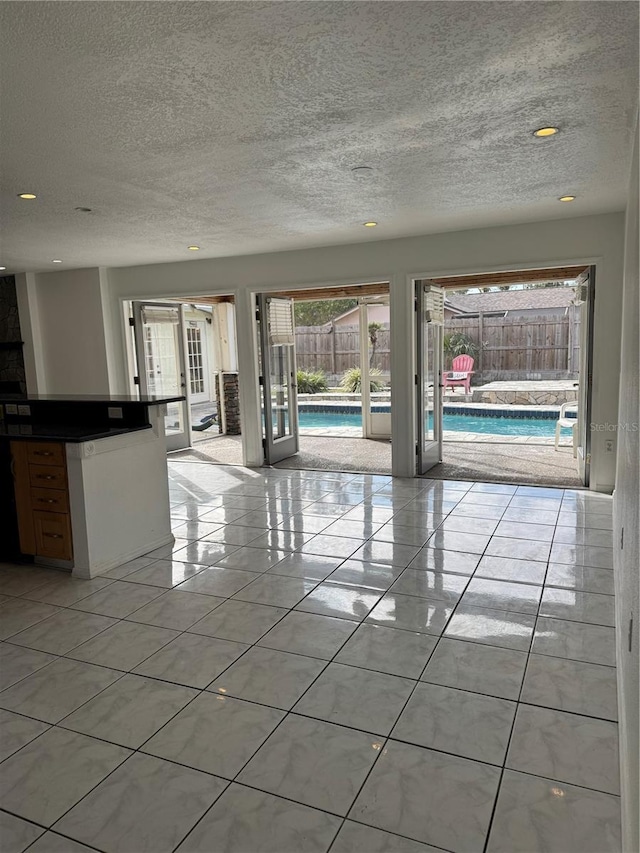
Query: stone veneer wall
(527, 398)
(231, 393)
(11, 360)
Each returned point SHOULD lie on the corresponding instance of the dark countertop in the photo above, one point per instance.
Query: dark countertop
(146, 400)
(69, 434)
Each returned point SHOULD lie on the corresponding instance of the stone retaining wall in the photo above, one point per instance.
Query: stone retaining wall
(524, 398)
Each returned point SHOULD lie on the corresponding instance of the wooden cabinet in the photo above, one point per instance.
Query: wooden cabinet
(42, 499)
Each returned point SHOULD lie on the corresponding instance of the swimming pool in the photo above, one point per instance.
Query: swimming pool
(490, 424)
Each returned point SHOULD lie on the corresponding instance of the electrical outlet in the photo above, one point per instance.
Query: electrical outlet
(114, 412)
(608, 445)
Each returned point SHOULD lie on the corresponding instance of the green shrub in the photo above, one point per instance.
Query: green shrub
(352, 380)
(457, 343)
(311, 382)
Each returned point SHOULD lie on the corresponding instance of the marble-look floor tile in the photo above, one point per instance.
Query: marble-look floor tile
(593, 520)
(502, 595)
(352, 528)
(582, 578)
(485, 499)
(524, 530)
(209, 553)
(175, 610)
(453, 540)
(63, 631)
(241, 621)
(234, 534)
(438, 560)
(277, 590)
(567, 747)
(477, 668)
(50, 774)
(16, 731)
(426, 584)
(220, 582)
(21, 614)
(578, 606)
(518, 549)
(253, 559)
(568, 685)
(308, 522)
(195, 529)
(146, 805)
(20, 580)
(121, 571)
(575, 640)
(280, 540)
(309, 566)
(17, 834)
(541, 516)
(119, 599)
(268, 677)
(375, 576)
(429, 796)
(472, 510)
(582, 555)
(319, 764)
(508, 569)
(343, 602)
(57, 690)
(545, 816)
(366, 839)
(165, 573)
(402, 534)
(192, 659)
(411, 613)
(374, 647)
(359, 698)
(246, 820)
(535, 504)
(331, 546)
(124, 645)
(465, 524)
(389, 553)
(130, 711)
(240, 728)
(584, 536)
(494, 627)
(309, 634)
(456, 721)
(51, 842)
(17, 663)
(66, 590)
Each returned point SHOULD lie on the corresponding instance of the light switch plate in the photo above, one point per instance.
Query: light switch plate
(114, 412)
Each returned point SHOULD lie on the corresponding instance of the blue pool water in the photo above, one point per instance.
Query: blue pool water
(542, 427)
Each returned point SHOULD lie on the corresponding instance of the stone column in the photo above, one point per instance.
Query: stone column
(231, 394)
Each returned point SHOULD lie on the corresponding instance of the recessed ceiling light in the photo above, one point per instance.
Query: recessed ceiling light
(193, 248)
(2, 268)
(56, 261)
(543, 132)
(567, 198)
(370, 224)
(27, 195)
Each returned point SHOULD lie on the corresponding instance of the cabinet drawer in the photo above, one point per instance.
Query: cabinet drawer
(47, 476)
(50, 500)
(53, 535)
(45, 453)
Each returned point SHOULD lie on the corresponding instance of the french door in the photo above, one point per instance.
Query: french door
(374, 367)
(429, 328)
(585, 297)
(161, 359)
(278, 378)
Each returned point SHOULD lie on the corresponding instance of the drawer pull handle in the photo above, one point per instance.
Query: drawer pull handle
(54, 535)
(45, 477)
(42, 453)
(46, 500)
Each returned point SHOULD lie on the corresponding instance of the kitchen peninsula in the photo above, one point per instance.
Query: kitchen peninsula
(83, 480)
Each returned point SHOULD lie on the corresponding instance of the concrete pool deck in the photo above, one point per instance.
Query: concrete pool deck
(500, 462)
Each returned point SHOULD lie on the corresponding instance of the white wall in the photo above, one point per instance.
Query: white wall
(597, 239)
(67, 351)
(626, 511)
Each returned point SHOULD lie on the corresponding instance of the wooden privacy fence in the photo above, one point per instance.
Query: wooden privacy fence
(334, 349)
(546, 344)
(511, 346)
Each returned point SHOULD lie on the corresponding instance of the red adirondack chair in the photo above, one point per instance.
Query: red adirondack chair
(461, 373)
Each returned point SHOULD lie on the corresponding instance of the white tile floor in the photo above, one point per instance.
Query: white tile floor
(322, 662)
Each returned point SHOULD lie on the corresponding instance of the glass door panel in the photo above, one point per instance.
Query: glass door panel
(583, 437)
(278, 378)
(160, 354)
(375, 360)
(429, 330)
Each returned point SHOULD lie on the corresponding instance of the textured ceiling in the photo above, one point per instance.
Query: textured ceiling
(235, 125)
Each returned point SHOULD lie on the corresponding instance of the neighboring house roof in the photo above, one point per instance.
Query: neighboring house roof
(513, 300)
